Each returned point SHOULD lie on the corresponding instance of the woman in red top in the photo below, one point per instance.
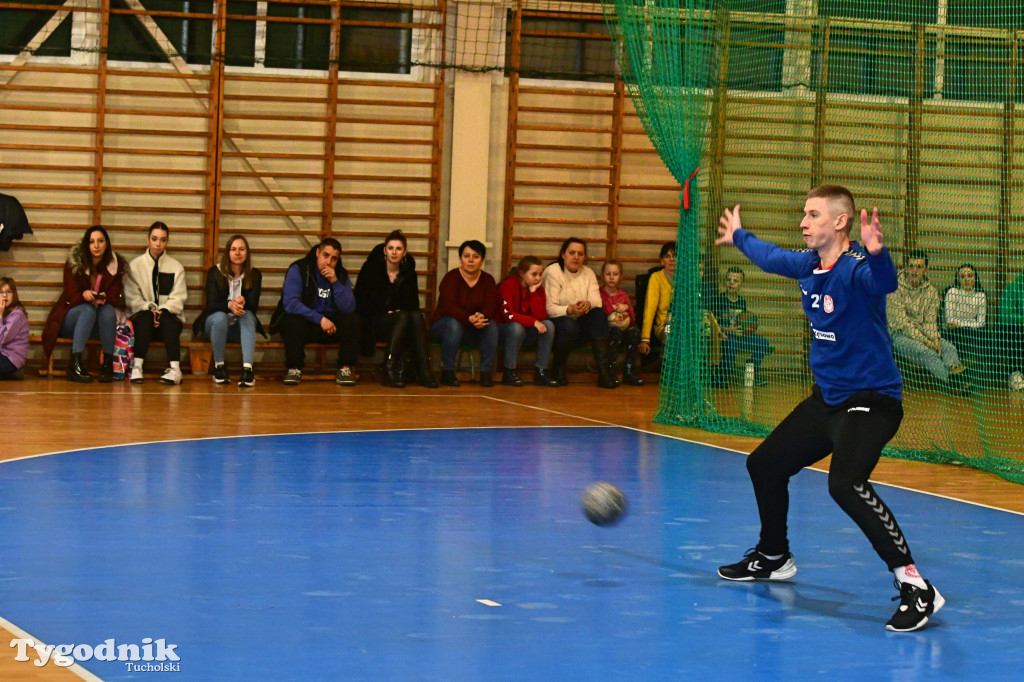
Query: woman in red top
(466, 302)
(93, 278)
(523, 320)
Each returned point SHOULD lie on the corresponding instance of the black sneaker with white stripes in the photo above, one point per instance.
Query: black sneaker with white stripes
(756, 566)
(915, 607)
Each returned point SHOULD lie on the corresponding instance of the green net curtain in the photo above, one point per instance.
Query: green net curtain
(668, 52)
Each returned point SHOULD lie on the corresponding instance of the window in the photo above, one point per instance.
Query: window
(905, 11)
(19, 26)
(129, 40)
(978, 69)
(986, 13)
(381, 49)
(240, 34)
(755, 57)
(298, 45)
(564, 48)
(382, 45)
(873, 62)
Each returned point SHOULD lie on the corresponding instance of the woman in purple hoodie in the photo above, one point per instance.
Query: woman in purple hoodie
(13, 331)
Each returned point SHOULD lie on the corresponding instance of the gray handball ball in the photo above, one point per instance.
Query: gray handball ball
(603, 503)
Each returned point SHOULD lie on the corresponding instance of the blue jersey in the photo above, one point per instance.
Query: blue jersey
(851, 350)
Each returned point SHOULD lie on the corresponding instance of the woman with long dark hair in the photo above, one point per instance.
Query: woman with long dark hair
(155, 292)
(388, 302)
(88, 304)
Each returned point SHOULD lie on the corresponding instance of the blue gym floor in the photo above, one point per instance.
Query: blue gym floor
(364, 556)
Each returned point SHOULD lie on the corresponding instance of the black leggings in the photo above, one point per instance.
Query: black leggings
(169, 331)
(855, 433)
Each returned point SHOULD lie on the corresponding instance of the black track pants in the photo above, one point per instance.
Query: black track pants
(855, 433)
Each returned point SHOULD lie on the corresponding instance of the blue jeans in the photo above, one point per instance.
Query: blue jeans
(514, 336)
(918, 353)
(84, 321)
(221, 327)
(451, 334)
(755, 344)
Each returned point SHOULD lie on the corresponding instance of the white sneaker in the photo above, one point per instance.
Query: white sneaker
(136, 375)
(171, 376)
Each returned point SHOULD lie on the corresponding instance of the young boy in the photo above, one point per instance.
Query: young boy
(730, 309)
(856, 405)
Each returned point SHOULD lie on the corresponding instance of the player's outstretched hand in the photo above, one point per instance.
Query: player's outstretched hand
(730, 222)
(871, 232)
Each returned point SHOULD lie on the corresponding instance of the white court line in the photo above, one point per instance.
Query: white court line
(21, 634)
(741, 452)
(597, 423)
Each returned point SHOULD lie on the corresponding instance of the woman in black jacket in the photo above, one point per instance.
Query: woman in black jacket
(232, 301)
(388, 302)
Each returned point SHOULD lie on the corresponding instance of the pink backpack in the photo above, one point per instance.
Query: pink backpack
(124, 350)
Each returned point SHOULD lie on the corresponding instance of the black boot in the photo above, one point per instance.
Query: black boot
(510, 377)
(602, 358)
(542, 378)
(629, 375)
(76, 370)
(391, 372)
(418, 331)
(107, 369)
(392, 375)
(449, 378)
(559, 359)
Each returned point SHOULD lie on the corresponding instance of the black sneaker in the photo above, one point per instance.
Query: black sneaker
(915, 607)
(756, 566)
(248, 378)
(220, 374)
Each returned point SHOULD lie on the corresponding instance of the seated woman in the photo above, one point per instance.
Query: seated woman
(964, 306)
(574, 305)
(155, 293)
(88, 303)
(621, 320)
(523, 320)
(388, 302)
(466, 302)
(13, 331)
(232, 302)
(659, 297)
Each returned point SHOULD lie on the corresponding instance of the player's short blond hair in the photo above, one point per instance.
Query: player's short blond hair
(839, 200)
